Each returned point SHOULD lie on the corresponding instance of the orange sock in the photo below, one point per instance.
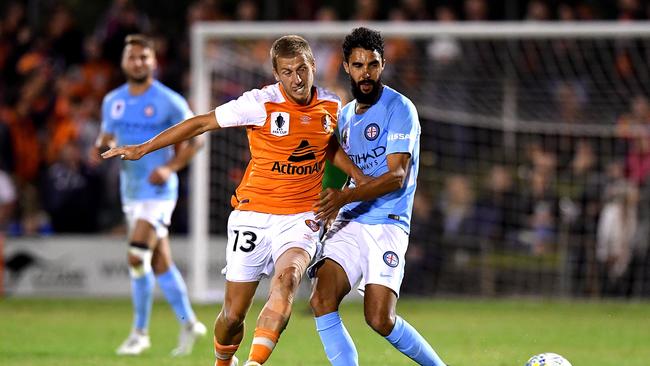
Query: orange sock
(264, 341)
(224, 353)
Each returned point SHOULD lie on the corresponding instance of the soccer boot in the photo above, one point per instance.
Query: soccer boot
(134, 345)
(188, 335)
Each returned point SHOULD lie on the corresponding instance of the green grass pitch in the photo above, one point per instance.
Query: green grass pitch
(464, 332)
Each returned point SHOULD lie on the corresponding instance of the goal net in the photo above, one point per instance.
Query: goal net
(534, 155)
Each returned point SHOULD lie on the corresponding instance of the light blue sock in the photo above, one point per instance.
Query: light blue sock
(336, 340)
(408, 341)
(142, 297)
(173, 287)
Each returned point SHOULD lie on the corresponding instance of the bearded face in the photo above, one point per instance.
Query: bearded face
(365, 68)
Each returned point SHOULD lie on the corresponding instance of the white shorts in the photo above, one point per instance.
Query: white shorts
(369, 254)
(156, 212)
(256, 240)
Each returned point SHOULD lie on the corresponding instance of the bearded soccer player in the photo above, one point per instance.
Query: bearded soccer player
(133, 113)
(366, 244)
(272, 230)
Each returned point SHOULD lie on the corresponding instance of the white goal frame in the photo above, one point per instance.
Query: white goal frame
(202, 31)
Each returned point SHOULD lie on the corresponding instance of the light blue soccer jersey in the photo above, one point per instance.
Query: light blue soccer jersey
(135, 119)
(389, 126)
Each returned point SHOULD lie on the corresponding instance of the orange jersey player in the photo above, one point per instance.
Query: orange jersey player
(272, 229)
(288, 144)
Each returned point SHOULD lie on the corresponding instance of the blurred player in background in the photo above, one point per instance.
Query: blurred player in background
(273, 226)
(133, 113)
(380, 131)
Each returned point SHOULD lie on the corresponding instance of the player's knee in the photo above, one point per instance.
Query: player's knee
(289, 278)
(139, 257)
(380, 322)
(231, 319)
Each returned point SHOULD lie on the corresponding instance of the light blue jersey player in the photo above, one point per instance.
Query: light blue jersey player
(367, 242)
(134, 119)
(132, 114)
(390, 126)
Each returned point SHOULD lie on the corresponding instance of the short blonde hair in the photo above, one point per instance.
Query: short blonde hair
(290, 46)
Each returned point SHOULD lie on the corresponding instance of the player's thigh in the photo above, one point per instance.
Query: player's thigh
(383, 248)
(249, 250)
(143, 232)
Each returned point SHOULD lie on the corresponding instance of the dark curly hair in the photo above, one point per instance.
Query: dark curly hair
(365, 38)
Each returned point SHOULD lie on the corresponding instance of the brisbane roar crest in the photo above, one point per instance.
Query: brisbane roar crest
(326, 120)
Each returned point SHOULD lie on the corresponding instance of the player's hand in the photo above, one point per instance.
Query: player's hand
(128, 152)
(331, 200)
(160, 175)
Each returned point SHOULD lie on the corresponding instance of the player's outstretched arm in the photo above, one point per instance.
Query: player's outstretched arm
(331, 200)
(182, 131)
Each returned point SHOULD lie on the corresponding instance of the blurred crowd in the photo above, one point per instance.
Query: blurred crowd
(558, 196)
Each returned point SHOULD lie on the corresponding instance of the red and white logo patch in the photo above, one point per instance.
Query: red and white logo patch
(149, 111)
(313, 225)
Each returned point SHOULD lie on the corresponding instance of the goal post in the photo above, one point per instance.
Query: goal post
(501, 83)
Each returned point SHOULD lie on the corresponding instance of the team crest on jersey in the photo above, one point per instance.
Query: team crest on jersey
(391, 259)
(149, 111)
(313, 225)
(326, 120)
(371, 132)
(117, 109)
(279, 123)
(345, 139)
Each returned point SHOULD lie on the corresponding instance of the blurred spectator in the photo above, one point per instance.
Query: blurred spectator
(538, 202)
(65, 38)
(7, 200)
(204, 11)
(96, 74)
(629, 10)
(616, 228)
(120, 20)
(415, 10)
(456, 208)
(424, 254)
(366, 10)
(634, 127)
(580, 207)
(476, 10)
(247, 11)
(71, 192)
(6, 145)
(538, 11)
(496, 206)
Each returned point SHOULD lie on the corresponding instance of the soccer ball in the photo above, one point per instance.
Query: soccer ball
(548, 359)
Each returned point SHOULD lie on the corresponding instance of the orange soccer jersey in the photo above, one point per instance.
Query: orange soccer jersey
(288, 144)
